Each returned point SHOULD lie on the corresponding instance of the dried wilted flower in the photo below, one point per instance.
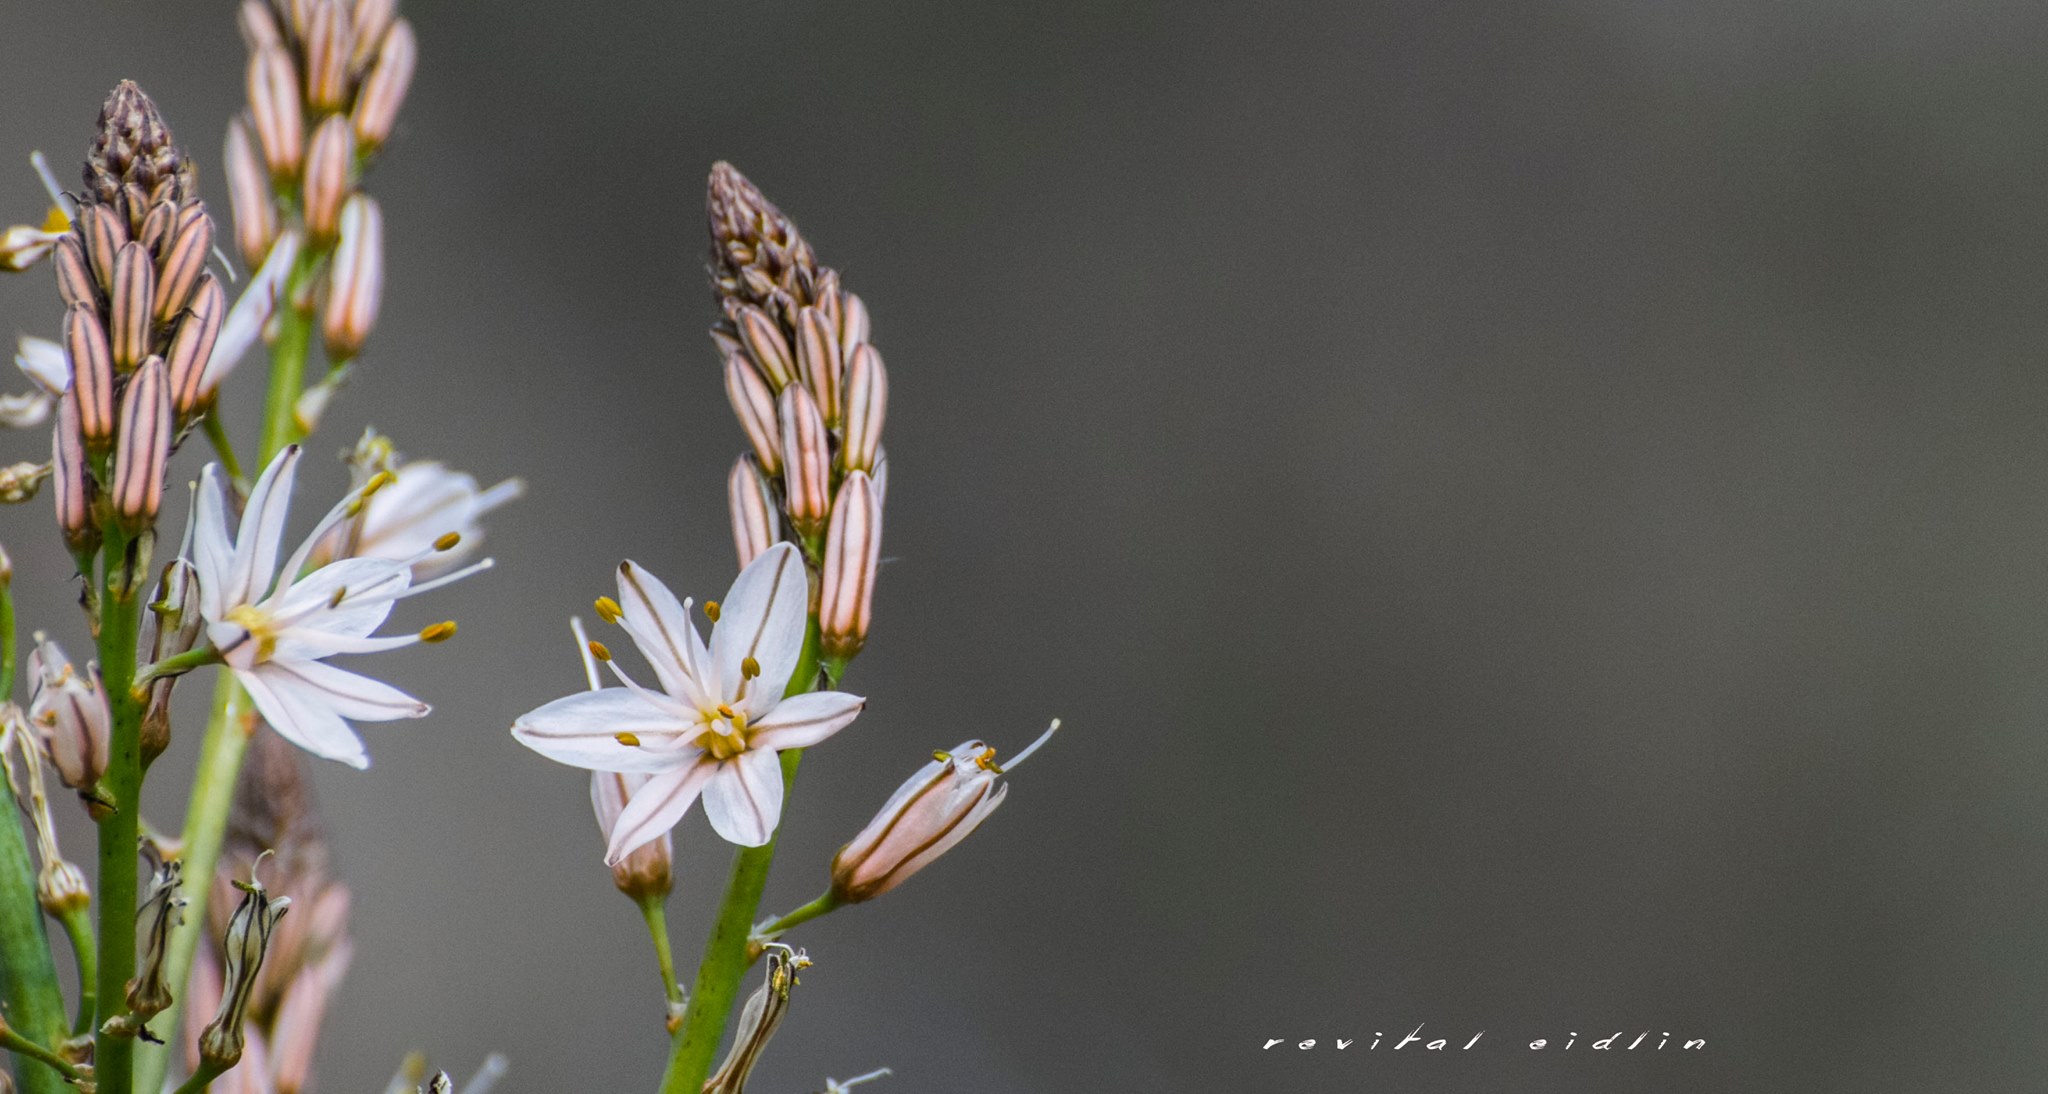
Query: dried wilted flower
(69, 712)
(759, 1020)
(243, 947)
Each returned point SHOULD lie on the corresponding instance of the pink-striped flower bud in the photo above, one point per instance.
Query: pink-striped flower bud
(192, 346)
(867, 403)
(249, 196)
(755, 523)
(75, 283)
(185, 263)
(806, 460)
(156, 228)
(938, 807)
(144, 448)
(647, 871)
(754, 405)
(69, 712)
(92, 375)
(329, 156)
(328, 47)
(764, 342)
(383, 90)
(258, 26)
(367, 26)
(853, 324)
(104, 230)
(275, 108)
(357, 287)
(846, 587)
(818, 360)
(69, 482)
(128, 306)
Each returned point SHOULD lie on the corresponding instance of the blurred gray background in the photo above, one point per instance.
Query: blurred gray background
(1534, 514)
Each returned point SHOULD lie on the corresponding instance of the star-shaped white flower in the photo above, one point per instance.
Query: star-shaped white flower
(274, 627)
(720, 717)
(428, 501)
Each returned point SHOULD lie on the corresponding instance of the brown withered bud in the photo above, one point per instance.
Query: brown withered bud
(132, 147)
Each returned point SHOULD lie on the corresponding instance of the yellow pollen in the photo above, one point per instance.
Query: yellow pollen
(711, 610)
(608, 609)
(627, 739)
(448, 542)
(260, 627)
(987, 761)
(439, 632)
(749, 668)
(598, 651)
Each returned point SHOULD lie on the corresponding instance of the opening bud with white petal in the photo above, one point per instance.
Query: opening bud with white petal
(853, 548)
(358, 279)
(936, 808)
(69, 713)
(648, 871)
(806, 460)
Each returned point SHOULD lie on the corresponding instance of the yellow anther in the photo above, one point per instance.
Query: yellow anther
(627, 739)
(987, 761)
(942, 756)
(448, 542)
(749, 668)
(377, 482)
(439, 632)
(57, 221)
(340, 595)
(711, 610)
(725, 712)
(609, 610)
(598, 651)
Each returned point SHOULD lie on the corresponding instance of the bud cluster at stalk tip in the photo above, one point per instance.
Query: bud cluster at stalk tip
(810, 392)
(141, 316)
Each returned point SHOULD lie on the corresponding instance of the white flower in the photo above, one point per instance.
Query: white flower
(719, 719)
(48, 367)
(253, 309)
(275, 639)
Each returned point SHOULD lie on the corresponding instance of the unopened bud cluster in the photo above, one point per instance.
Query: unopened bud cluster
(326, 79)
(142, 313)
(810, 392)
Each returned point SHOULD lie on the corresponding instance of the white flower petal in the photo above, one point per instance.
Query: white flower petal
(45, 363)
(213, 549)
(582, 730)
(26, 410)
(368, 587)
(661, 627)
(743, 801)
(251, 311)
(262, 530)
(350, 695)
(763, 617)
(801, 721)
(300, 717)
(656, 807)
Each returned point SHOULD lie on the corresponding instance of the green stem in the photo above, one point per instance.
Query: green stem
(825, 904)
(206, 822)
(725, 952)
(120, 625)
(178, 664)
(228, 728)
(224, 448)
(201, 1079)
(654, 910)
(78, 927)
(31, 1049)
